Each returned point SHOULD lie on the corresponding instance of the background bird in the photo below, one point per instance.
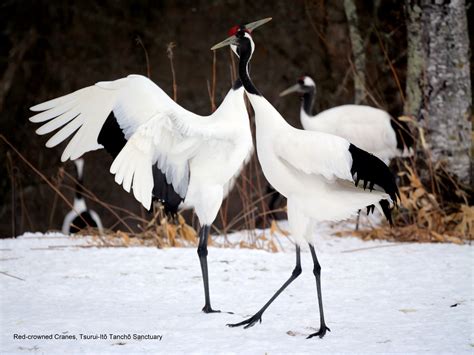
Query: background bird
(80, 216)
(369, 128)
(318, 173)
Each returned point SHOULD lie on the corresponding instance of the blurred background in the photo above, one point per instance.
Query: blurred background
(51, 48)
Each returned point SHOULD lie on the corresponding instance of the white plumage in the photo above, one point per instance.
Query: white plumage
(156, 142)
(318, 172)
(367, 127)
(194, 152)
(311, 169)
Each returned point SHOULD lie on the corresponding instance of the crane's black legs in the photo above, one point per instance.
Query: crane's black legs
(258, 316)
(202, 252)
(357, 220)
(317, 273)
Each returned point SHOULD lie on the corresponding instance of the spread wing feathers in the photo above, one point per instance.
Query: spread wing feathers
(315, 153)
(134, 100)
(373, 172)
(84, 111)
(133, 165)
(156, 142)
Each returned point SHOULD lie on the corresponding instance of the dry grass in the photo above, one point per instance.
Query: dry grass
(434, 206)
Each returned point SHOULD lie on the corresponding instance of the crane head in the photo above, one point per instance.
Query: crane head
(305, 84)
(238, 32)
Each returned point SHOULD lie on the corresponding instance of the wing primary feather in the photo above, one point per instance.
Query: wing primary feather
(65, 132)
(53, 112)
(373, 171)
(57, 122)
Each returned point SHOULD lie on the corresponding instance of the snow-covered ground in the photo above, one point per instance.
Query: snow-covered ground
(378, 297)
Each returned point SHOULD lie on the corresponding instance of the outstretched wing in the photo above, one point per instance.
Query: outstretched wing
(82, 114)
(154, 127)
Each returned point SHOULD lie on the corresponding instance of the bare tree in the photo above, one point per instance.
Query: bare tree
(357, 50)
(438, 79)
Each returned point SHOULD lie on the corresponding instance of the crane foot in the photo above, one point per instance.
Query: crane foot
(320, 333)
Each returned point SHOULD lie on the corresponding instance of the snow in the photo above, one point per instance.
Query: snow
(378, 297)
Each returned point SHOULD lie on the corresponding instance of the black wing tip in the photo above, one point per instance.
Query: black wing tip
(387, 211)
(372, 171)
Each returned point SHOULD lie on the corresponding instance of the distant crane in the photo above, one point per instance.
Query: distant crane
(318, 173)
(80, 216)
(161, 150)
(369, 128)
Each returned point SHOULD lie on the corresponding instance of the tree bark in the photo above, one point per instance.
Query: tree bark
(357, 50)
(438, 84)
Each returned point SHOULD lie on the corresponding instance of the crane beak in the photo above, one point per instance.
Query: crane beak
(226, 42)
(253, 25)
(233, 39)
(291, 89)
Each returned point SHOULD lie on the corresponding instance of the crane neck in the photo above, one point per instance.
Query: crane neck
(307, 102)
(237, 84)
(245, 52)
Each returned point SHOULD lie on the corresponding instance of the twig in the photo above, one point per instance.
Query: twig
(2, 137)
(140, 42)
(13, 185)
(375, 247)
(169, 51)
(15, 277)
(392, 68)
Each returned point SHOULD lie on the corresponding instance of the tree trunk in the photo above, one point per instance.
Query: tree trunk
(438, 79)
(357, 50)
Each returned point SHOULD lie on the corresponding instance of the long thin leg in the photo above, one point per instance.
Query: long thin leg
(357, 221)
(202, 252)
(258, 316)
(317, 273)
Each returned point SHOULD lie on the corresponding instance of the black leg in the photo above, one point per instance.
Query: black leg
(258, 316)
(317, 273)
(357, 221)
(202, 252)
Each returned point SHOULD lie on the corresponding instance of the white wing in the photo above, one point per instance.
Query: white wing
(157, 130)
(315, 153)
(367, 127)
(134, 101)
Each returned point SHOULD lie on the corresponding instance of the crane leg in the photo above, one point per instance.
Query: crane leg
(202, 252)
(357, 221)
(317, 273)
(257, 317)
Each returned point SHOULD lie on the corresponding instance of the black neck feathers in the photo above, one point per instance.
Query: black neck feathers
(237, 84)
(307, 102)
(245, 52)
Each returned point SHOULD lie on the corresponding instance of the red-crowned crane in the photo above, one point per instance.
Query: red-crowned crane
(161, 150)
(318, 173)
(80, 216)
(369, 128)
